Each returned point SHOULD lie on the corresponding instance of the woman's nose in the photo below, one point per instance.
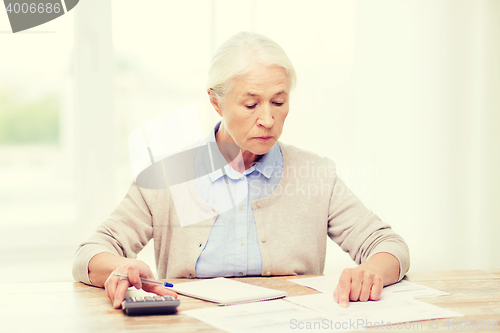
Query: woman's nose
(266, 118)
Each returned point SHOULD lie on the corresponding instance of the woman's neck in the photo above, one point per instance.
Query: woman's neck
(243, 160)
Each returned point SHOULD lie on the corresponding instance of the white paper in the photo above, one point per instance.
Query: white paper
(413, 290)
(268, 316)
(387, 310)
(321, 312)
(226, 291)
(327, 284)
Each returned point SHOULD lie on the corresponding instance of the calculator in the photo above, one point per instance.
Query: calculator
(149, 304)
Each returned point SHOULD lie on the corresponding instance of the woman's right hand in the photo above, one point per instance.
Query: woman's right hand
(134, 269)
(115, 286)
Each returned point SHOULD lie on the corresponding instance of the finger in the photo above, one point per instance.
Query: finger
(356, 284)
(378, 285)
(106, 287)
(336, 294)
(366, 287)
(159, 290)
(134, 276)
(121, 289)
(344, 288)
(110, 286)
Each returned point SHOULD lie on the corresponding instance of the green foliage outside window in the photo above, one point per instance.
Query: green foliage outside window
(29, 122)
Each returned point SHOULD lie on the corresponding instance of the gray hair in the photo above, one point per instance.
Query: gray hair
(239, 54)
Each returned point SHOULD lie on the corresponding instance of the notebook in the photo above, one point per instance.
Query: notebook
(226, 292)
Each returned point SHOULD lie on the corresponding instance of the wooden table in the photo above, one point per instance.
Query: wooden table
(75, 307)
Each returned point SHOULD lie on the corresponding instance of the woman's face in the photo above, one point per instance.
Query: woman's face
(255, 109)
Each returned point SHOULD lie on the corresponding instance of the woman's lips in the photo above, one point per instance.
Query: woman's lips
(263, 138)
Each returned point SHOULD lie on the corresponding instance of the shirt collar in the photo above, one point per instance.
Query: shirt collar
(265, 165)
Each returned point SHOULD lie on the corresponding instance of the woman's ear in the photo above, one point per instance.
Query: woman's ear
(215, 101)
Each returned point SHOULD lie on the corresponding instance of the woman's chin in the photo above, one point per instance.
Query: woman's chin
(261, 148)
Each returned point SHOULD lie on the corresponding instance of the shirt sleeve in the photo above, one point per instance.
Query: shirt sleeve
(359, 231)
(125, 233)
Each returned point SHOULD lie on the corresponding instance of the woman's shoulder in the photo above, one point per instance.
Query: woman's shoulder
(299, 156)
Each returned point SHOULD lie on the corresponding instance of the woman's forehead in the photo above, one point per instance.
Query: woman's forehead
(283, 93)
(262, 81)
(280, 90)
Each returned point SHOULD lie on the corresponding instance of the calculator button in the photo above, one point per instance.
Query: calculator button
(150, 305)
(129, 299)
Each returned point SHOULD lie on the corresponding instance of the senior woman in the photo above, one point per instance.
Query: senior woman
(278, 225)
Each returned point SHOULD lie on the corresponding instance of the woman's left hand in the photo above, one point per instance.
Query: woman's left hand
(366, 281)
(358, 284)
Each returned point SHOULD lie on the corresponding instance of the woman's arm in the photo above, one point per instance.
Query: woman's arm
(382, 254)
(124, 233)
(113, 247)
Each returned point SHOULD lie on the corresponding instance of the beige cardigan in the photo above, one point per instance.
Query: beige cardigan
(309, 203)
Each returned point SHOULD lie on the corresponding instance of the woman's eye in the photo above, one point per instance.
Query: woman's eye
(251, 106)
(278, 103)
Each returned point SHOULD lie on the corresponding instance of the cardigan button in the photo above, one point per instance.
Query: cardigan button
(257, 205)
(263, 240)
(268, 273)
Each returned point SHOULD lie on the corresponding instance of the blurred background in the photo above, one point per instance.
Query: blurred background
(403, 95)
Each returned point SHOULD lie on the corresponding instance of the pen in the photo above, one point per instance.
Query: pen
(164, 284)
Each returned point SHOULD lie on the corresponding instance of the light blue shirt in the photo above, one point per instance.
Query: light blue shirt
(232, 248)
